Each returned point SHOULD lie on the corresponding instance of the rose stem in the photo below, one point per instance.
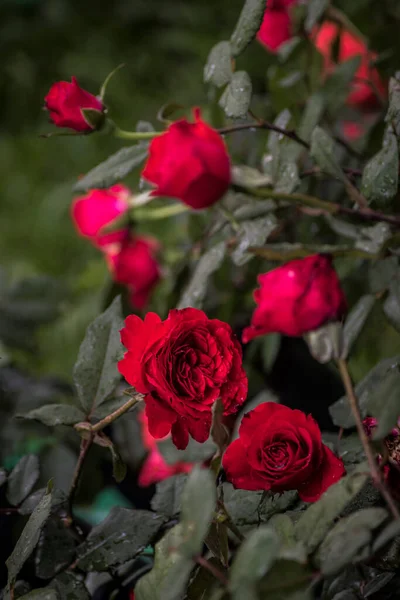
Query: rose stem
(373, 466)
(84, 449)
(329, 207)
(203, 562)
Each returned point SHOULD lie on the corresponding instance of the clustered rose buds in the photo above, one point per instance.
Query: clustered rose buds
(296, 298)
(277, 28)
(280, 449)
(67, 103)
(190, 162)
(183, 365)
(132, 259)
(390, 463)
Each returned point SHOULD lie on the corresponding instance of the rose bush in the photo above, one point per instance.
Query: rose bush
(183, 365)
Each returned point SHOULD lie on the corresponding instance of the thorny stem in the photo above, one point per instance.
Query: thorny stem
(84, 449)
(203, 562)
(366, 214)
(289, 133)
(373, 465)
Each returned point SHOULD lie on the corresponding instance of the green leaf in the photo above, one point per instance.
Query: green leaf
(385, 536)
(380, 175)
(252, 233)
(22, 479)
(198, 504)
(168, 578)
(56, 414)
(196, 290)
(40, 594)
(284, 527)
(252, 561)
(368, 391)
(315, 10)
(69, 587)
(249, 177)
(286, 580)
(217, 542)
(323, 152)
(248, 24)
(203, 583)
(384, 404)
(356, 321)
(95, 372)
(56, 549)
(325, 343)
(318, 519)
(235, 100)
(119, 538)
(336, 87)
(372, 239)
(114, 169)
(345, 542)
(381, 273)
(250, 508)
(3, 476)
(218, 69)
(28, 538)
(391, 306)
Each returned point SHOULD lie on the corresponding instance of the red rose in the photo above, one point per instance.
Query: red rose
(155, 468)
(134, 264)
(276, 28)
(298, 297)
(183, 365)
(362, 92)
(65, 102)
(91, 213)
(190, 162)
(280, 449)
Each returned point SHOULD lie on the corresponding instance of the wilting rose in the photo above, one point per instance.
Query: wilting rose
(276, 27)
(280, 449)
(134, 263)
(190, 162)
(297, 297)
(97, 209)
(367, 79)
(183, 364)
(155, 468)
(65, 102)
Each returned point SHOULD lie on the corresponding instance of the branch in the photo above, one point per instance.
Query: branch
(332, 208)
(84, 449)
(203, 562)
(373, 466)
(289, 133)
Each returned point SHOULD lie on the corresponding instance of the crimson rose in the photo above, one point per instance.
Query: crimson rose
(91, 213)
(65, 102)
(276, 28)
(280, 449)
(298, 297)
(134, 263)
(190, 162)
(183, 365)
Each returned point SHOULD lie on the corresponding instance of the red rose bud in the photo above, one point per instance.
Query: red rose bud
(134, 264)
(91, 213)
(367, 78)
(67, 104)
(183, 365)
(276, 28)
(280, 449)
(155, 468)
(190, 162)
(298, 297)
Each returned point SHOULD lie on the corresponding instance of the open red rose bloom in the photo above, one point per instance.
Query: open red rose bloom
(65, 102)
(280, 449)
(183, 365)
(190, 162)
(296, 298)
